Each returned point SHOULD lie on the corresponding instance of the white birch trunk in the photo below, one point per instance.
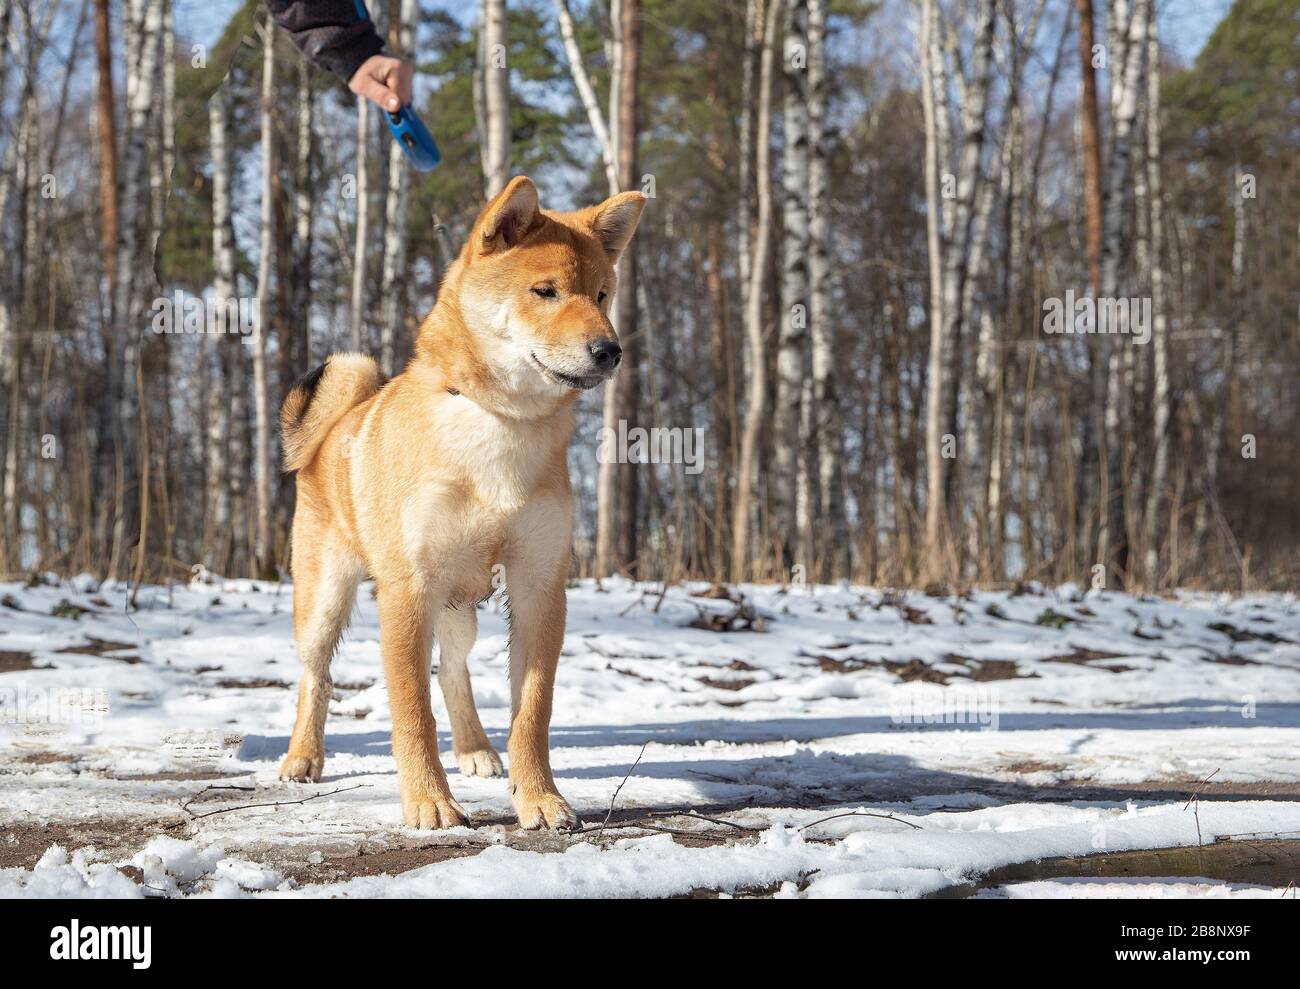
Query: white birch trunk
(1161, 410)
(587, 94)
(745, 151)
(302, 207)
(941, 385)
(826, 443)
(223, 289)
(1118, 176)
(747, 473)
(788, 480)
(127, 306)
(496, 94)
(357, 306)
(395, 221)
(264, 550)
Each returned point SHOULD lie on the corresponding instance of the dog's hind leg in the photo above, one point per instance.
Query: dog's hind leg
(325, 582)
(456, 630)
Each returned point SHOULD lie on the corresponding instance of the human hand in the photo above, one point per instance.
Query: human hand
(385, 81)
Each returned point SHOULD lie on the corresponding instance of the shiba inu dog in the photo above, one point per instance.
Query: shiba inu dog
(458, 464)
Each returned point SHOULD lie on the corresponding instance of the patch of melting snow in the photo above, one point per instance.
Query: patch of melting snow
(747, 725)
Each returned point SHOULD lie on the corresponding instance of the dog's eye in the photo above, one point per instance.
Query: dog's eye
(600, 297)
(545, 291)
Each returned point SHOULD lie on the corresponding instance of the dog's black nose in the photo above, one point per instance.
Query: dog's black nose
(606, 354)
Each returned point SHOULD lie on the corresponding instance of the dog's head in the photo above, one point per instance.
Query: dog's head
(535, 288)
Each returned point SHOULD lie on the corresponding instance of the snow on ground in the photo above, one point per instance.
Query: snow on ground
(944, 737)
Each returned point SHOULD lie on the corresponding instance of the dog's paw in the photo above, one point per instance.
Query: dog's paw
(481, 762)
(432, 813)
(302, 769)
(545, 810)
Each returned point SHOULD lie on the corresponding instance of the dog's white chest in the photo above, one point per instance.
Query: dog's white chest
(458, 520)
(500, 459)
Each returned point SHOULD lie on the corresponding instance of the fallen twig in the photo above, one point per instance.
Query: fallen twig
(1197, 792)
(702, 817)
(1194, 801)
(1254, 834)
(712, 776)
(272, 803)
(642, 826)
(610, 812)
(862, 813)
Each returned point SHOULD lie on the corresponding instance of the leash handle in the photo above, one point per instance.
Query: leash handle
(408, 130)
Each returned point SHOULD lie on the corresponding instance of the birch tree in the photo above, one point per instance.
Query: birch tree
(216, 542)
(787, 483)
(933, 214)
(1111, 541)
(826, 442)
(303, 210)
(496, 93)
(264, 547)
(747, 472)
(941, 384)
(1161, 405)
(361, 188)
(395, 219)
(118, 415)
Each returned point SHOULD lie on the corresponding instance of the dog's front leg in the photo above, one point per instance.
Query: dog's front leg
(406, 616)
(537, 613)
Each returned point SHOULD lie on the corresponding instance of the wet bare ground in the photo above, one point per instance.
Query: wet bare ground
(1269, 862)
(23, 843)
(1263, 860)
(389, 851)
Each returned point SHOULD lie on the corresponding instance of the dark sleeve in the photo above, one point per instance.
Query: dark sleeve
(336, 35)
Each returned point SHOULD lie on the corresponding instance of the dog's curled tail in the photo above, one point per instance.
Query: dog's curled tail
(320, 399)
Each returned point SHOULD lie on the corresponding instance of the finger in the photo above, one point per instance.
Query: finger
(377, 93)
(396, 75)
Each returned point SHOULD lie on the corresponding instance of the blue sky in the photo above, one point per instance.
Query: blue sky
(1185, 24)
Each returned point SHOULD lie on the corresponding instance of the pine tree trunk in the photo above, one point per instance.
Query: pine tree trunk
(626, 386)
(106, 131)
(1091, 129)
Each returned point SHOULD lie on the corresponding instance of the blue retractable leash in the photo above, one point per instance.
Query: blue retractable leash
(408, 130)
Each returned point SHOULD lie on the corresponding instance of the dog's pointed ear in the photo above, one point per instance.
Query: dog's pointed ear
(508, 218)
(614, 221)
